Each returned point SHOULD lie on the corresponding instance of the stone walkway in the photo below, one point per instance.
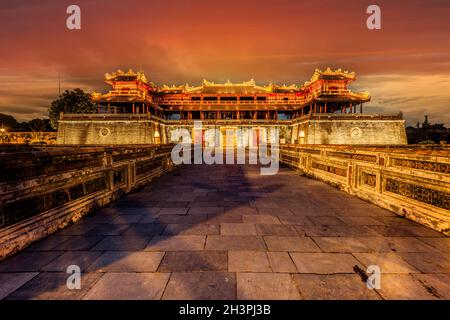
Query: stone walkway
(226, 232)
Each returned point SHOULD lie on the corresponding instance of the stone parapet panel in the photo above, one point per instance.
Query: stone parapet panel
(412, 181)
(43, 189)
(350, 131)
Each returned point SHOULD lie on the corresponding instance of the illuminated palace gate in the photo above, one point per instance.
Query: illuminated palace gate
(231, 106)
(323, 110)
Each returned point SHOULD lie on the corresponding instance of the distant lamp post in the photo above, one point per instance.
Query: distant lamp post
(2, 130)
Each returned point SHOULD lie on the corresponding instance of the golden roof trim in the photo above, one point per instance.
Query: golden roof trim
(329, 72)
(130, 73)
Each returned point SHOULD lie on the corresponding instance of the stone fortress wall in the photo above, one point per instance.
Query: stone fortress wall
(349, 129)
(351, 132)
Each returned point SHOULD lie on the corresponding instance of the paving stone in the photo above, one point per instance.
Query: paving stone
(201, 286)
(248, 261)
(254, 225)
(337, 231)
(281, 262)
(252, 243)
(48, 244)
(403, 287)
(76, 230)
(237, 229)
(82, 259)
(204, 204)
(361, 221)
(172, 204)
(307, 211)
(122, 243)
(28, 261)
(192, 229)
(53, 286)
(388, 262)
(436, 284)
(395, 221)
(129, 286)
(176, 243)
(206, 210)
(183, 197)
(123, 261)
(128, 219)
(295, 220)
(300, 244)
(334, 287)
(78, 243)
(224, 218)
(146, 219)
(260, 219)
(180, 219)
(240, 210)
(10, 282)
(275, 211)
(324, 263)
(107, 230)
(342, 244)
(276, 230)
(405, 231)
(208, 198)
(97, 219)
(262, 203)
(366, 210)
(175, 210)
(145, 230)
(266, 286)
(428, 262)
(191, 261)
(397, 244)
(325, 221)
(442, 244)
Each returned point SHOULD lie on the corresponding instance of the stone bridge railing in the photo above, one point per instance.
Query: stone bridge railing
(412, 181)
(43, 189)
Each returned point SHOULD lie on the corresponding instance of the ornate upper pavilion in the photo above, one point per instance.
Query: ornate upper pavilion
(326, 92)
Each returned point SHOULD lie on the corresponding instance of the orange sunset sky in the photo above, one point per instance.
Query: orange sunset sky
(405, 65)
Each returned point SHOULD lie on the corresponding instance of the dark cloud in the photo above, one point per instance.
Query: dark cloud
(185, 41)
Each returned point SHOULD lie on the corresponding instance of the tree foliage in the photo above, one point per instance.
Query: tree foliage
(10, 124)
(74, 101)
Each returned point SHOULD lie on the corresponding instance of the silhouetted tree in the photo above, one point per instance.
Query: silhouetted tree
(74, 101)
(8, 122)
(38, 125)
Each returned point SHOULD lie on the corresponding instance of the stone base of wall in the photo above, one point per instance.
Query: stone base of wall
(110, 132)
(345, 129)
(350, 131)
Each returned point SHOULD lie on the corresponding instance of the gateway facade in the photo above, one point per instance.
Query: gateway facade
(321, 111)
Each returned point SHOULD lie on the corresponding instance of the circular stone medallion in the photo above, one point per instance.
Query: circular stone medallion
(103, 132)
(355, 133)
